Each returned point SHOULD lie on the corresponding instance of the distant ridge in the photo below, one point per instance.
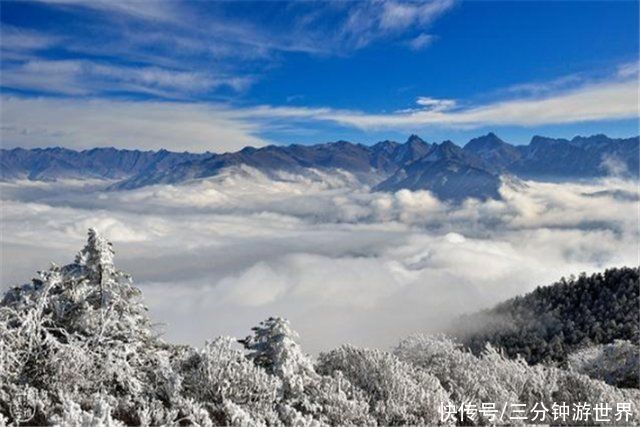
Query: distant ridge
(450, 171)
(48, 164)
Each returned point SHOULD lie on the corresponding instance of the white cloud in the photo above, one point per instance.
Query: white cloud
(222, 127)
(82, 123)
(158, 10)
(365, 23)
(629, 69)
(606, 100)
(216, 256)
(16, 39)
(435, 104)
(81, 77)
(404, 14)
(544, 88)
(421, 41)
(610, 100)
(614, 166)
(182, 50)
(208, 30)
(603, 101)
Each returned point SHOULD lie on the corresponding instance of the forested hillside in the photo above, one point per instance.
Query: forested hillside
(553, 321)
(77, 348)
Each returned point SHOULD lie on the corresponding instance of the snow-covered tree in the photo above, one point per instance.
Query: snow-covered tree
(273, 346)
(617, 363)
(458, 371)
(235, 389)
(77, 344)
(492, 377)
(76, 332)
(307, 397)
(397, 392)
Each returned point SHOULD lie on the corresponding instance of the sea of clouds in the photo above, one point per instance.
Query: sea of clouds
(216, 256)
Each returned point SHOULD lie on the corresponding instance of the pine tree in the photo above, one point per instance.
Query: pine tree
(306, 396)
(273, 346)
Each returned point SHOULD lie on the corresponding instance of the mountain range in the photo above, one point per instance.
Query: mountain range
(446, 169)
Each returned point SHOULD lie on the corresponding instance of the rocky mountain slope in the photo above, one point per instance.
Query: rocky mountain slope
(451, 172)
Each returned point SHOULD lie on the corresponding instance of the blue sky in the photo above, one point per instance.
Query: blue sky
(216, 76)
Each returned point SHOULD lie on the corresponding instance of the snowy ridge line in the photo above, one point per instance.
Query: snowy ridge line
(449, 171)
